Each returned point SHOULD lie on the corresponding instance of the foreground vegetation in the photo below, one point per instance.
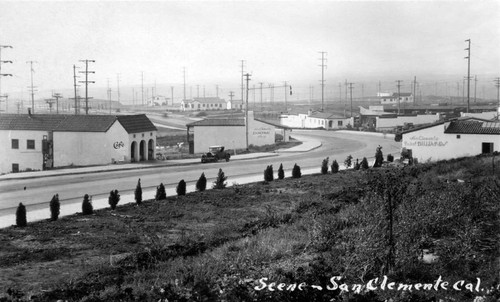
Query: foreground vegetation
(218, 245)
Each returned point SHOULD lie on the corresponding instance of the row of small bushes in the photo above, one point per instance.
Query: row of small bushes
(348, 162)
(269, 173)
(114, 197)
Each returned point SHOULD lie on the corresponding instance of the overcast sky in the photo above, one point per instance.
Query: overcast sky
(280, 41)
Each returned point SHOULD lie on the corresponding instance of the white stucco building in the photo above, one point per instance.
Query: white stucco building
(231, 133)
(204, 104)
(313, 120)
(39, 142)
(389, 122)
(452, 139)
(395, 98)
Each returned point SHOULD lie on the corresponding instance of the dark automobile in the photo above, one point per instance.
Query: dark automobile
(214, 154)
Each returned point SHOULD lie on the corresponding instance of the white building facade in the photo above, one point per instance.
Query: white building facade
(231, 133)
(40, 142)
(452, 139)
(204, 104)
(314, 120)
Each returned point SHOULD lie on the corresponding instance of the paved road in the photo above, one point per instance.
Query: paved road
(71, 188)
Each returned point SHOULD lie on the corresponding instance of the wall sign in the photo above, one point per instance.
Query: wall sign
(261, 132)
(425, 141)
(118, 145)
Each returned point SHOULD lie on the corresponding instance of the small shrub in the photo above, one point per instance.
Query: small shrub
(160, 192)
(220, 182)
(364, 164)
(138, 192)
(324, 165)
(348, 161)
(269, 173)
(296, 171)
(390, 158)
(181, 188)
(87, 208)
(55, 207)
(21, 215)
(335, 166)
(379, 157)
(201, 184)
(356, 165)
(281, 172)
(113, 199)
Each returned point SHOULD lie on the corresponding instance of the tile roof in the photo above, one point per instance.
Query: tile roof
(136, 123)
(218, 122)
(473, 127)
(74, 123)
(86, 123)
(45, 122)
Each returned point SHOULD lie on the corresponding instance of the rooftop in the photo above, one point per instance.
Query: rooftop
(473, 127)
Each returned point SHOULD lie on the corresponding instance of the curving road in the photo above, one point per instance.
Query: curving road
(71, 188)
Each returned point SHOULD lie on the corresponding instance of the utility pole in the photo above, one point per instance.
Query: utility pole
(49, 102)
(231, 94)
(109, 97)
(340, 92)
(414, 88)
(475, 86)
(497, 85)
(184, 71)
(4, 75)
(87, 83)
(172, 94)
(217, 91)
(32, 88)
(117, 87)
(242, 77)
(57, 96)
(311, 94)
(323, 66)
(198, 91)
(350, 89)
(261, 104)
(286, 92)
(204, 95)
(77, 109)
(246, 110)
(142, 88)
(399, 96)
(468, 75)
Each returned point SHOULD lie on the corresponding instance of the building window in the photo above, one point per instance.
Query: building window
(339, 123)
(458, 135)
(30, 144)
(15, 168)
(134, 135)
(150, 133)
(487, 148)
(143, 135)
(15, 144)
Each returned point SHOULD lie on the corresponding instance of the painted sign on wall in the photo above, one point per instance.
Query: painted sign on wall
(118, 145)
(261, 132)
(424, 141)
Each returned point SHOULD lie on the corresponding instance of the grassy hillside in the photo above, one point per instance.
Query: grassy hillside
(218, 245)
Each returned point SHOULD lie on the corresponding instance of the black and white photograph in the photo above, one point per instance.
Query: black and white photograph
(240, 150)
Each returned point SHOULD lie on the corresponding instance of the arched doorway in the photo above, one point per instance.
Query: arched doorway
(330, 124)
(151, 149)
(133, 152)
(142, 150)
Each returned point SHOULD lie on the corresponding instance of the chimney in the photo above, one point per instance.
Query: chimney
(29, 112)
(309, 112)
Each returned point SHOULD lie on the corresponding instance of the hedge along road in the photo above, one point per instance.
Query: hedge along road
(71, 188)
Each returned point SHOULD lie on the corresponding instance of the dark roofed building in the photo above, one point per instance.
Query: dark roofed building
(136, 123)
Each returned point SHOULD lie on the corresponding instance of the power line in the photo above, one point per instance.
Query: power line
(468, 75)
(77, 108)
(350, 89)
(399, 96)
(87, 83)
(246, 109)
(4, 75)
(242, 77)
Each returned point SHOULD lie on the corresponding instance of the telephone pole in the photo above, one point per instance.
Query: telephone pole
(475, 86)
(323, 66)
(286, 92)
(246, 109)
(172, 94)
(142, 88)
(340, 92)
(32, 88)
(414, 89)
(261, 104)
(399, 96)
(217, 91)
(4, 75)
(350, 89)
(87, 83)
(117, 87)
(184, 72)
(242, 77)
(77, 109)
(109, 96)
(57, 96)
(468, 75)
(497, 85)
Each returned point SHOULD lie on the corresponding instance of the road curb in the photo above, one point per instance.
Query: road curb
(300, 151)
(129, 168)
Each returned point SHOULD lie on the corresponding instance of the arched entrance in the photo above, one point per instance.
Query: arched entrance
(133, 152)
(330, 124)
(142, 150)
(151, 149)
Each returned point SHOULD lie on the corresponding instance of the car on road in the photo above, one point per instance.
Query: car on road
(214, 154)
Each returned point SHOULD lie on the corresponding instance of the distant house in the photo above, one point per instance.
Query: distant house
(235, 105)
(44, 141)
(404, 97)
(316, 120)
(204, 104)
(158, 100)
